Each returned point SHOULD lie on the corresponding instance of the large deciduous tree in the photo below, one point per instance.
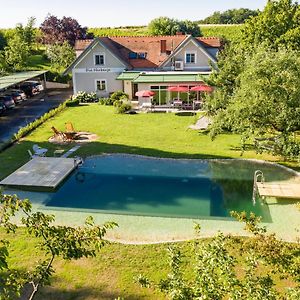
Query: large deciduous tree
(60, 55)
(16, 53)
(257, 75)
(54, 241)
(55, 30)
(267, 97)
(27, 33)
(278, 25)
(231, 16)
(168, 26)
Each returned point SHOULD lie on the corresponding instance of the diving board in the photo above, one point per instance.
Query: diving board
(279, 190)
(47, 172)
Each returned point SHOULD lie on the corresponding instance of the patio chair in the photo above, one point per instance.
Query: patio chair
(70, 132)
(69, 127)
(31, 154)
(38, 151)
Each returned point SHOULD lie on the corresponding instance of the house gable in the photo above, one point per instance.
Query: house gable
(87, 58)
(202, 57)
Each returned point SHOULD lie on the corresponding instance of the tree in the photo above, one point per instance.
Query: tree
(3, 41)
(60, 55)
(3, 64)
(168, 26)
(231, 16)
(27, 33)
(278, 26)
(55, 241)
(215, 271)
(16, 53)
(266, 99)
(55, 30)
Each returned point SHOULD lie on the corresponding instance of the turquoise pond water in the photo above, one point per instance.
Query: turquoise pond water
(134, 185)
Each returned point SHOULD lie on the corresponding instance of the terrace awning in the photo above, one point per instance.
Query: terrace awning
(128, 75)
(16, 78)
(170, 78)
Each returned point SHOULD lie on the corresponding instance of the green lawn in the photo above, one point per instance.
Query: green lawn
(162, 135)
(111, 274)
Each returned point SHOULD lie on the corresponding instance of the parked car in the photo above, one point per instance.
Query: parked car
(36, 84)
(2, 108)
(8, 101)
(29, 89)
(16, 96)
(20, 92)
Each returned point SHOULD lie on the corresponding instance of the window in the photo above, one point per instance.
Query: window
(133, 55)
(190, 58)
(101, 85)
(99, 59)
(142, 55)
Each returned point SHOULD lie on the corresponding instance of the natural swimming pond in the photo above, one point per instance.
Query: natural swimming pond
(126, 184)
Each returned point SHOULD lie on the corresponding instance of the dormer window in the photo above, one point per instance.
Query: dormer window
(132, 55)
(135, 55)
(190, 57)
(99, 59)
(142, 55)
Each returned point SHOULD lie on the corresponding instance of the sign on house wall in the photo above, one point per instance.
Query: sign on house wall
(98, 70)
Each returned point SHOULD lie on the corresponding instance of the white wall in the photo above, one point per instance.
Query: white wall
(202, 60)
(87, 82)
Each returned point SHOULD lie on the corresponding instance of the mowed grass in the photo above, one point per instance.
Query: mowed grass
(112, 273)
(159, 135)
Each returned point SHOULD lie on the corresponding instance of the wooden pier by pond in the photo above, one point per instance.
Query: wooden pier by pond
(47, 172)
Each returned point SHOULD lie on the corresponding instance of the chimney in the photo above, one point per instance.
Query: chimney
(163, 46)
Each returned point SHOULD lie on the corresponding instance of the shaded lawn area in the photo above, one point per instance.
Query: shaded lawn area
(111, 274)
(161, 135)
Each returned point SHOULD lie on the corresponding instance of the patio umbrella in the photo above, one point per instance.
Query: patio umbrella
(145, 93)
(202, 88)
(178, 89)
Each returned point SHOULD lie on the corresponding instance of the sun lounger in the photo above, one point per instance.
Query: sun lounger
(38, 151)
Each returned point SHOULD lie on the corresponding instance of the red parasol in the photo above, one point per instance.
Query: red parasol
(178, 88)
(202, 88)
(145, 93)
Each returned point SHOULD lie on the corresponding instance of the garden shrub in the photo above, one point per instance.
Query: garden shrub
(84, 97)
(106, 101)
(72, 102)
(122, 106)
(56, 76)
(119, 95)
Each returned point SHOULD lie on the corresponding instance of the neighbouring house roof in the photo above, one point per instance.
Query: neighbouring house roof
(16, 78)
(169, 78)
(121, 47)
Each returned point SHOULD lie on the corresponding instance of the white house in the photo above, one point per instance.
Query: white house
(107, 64)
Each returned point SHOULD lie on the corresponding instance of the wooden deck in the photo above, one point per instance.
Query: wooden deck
(41, 172)
(279, 190)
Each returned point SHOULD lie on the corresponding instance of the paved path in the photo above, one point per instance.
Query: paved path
(30, 110)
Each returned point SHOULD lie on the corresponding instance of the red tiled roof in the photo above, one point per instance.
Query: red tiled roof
(122, 46)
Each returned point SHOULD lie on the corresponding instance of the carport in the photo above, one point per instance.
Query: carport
(17, 78)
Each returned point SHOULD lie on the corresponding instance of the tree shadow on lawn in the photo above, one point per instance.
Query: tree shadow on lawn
(79, 293)
(99, 148)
